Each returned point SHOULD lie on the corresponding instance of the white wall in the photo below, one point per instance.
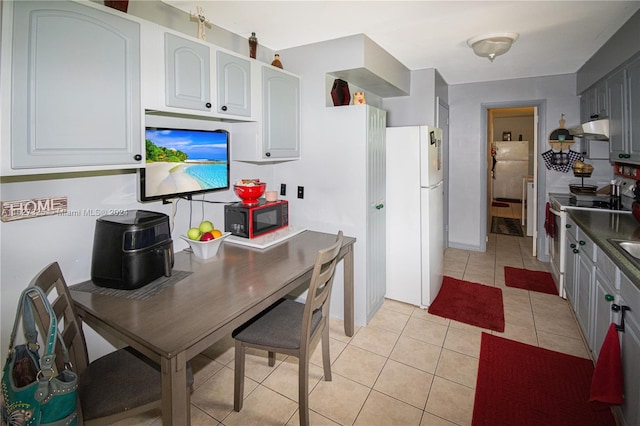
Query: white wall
(467, 155)
(332, 167)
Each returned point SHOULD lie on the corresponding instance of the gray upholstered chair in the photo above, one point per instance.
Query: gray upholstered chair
(118, 385)
(292, 328)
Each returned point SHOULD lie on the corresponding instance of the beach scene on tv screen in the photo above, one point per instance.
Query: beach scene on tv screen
(184, 161)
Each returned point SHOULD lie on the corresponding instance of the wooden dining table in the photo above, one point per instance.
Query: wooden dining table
(219, 295)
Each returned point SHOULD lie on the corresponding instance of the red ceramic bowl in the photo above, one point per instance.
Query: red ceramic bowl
(249, 194)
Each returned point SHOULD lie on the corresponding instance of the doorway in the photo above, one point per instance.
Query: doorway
(511, 155)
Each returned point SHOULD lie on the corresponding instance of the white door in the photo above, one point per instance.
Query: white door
(403, 215)
(432, 242)
(376, 220)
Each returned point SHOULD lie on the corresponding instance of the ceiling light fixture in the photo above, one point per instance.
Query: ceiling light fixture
(492, 45)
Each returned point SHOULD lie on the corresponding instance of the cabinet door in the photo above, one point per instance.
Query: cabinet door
(570, 269)
(233, 84)
(187, 73)
(584, 301)
(617, 136)
(630, 341)
(281, 114)
(601, 107)
(633, 105)
(76, 87)
(376, 213)
(604, 296)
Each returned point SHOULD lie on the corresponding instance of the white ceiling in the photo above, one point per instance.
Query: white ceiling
(556, 37)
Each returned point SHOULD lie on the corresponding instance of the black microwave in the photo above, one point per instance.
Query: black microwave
(250, 221)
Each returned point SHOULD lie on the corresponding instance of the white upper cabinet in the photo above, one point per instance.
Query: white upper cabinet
(281, 114)
(233, 84)
(73, 72)
(187, 73)
(277, 136)
(624, 120)
(187, 76)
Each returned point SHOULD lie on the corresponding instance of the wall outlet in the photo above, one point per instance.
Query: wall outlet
(301, 192)
(283, 189)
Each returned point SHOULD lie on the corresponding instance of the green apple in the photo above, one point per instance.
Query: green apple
(194, 234)
(206, 226)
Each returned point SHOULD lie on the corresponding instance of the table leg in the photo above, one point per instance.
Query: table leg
(348, 292)
(175, 395)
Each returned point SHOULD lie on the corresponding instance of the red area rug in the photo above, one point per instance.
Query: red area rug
(470, 303)
(530, 280)
(520, 384)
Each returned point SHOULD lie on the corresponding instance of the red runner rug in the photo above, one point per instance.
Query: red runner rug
(470, 303)
(520, 384)
(530, 280)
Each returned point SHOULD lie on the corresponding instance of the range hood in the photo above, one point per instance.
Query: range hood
(595, 130)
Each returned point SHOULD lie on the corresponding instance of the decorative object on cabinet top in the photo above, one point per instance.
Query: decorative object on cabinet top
(203, 22)
(253, 45)
(340, 92)
(358, 98)
(121, 5)
(276, 61)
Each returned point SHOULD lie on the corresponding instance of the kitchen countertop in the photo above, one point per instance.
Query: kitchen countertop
(601, 225)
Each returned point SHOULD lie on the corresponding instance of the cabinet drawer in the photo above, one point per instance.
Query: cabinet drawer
(585, 245)
(572, 228)
(607, 268)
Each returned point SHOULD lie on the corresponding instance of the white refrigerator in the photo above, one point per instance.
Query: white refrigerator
(415, 214)
(511, 165)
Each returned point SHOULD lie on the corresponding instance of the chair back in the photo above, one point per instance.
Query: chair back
(49, 279)
(319, 294)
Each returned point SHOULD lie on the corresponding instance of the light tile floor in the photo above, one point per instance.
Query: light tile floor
(406, 367)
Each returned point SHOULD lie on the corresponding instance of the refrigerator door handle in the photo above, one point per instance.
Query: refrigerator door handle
(434, 186)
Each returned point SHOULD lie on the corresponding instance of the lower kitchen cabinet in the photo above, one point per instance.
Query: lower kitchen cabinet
(599, 283)
(585, 281)
(571, 261)
(630, 338)
(603, 316)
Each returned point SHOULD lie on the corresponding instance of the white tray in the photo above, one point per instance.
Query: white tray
(266, 240)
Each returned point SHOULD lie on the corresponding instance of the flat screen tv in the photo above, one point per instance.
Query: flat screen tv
(181, 163)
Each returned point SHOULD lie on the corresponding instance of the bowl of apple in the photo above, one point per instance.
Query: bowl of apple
(205, 240)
